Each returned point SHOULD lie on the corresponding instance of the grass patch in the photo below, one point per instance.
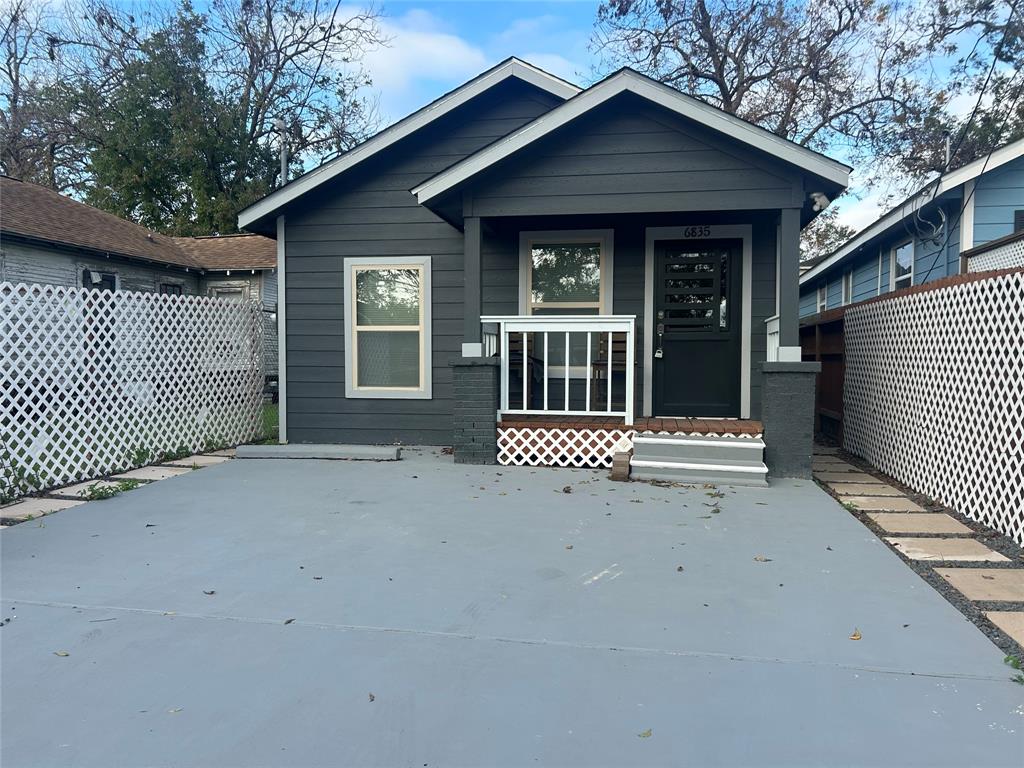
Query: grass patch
(268, 426)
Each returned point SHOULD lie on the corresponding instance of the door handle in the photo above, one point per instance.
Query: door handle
(660, 352)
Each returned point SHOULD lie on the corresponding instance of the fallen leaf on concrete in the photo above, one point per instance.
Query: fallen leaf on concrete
(645, 734)
(174, 711)
(288, 621)
(372, 697)
(318, 578)
(61, 653)
(679, 568)
(762, 559)
(209, 591)
(568, 546)
(856, 635)
(567, 489)
(151, 525)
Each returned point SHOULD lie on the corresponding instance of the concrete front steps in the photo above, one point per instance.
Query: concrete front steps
(699, 459)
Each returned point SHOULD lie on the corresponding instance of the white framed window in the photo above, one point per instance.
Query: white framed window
(566, 272)
(847, 288)
(822, 297)
(387, 328)
(901, 268)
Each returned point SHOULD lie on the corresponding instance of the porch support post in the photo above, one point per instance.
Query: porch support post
(789, 285)
(472, 337)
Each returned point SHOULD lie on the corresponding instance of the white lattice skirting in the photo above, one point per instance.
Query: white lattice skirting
(575, 447)
(934, 395)
(93, 382)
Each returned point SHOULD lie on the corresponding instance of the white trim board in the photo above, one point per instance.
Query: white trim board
(510, 68)
(669, 98)
(718, 231)
(921, 198)
(282, 339)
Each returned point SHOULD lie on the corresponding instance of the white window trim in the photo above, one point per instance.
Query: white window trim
(892, 265)
(847, 288)
(606, 237)
(822, 298)
(424, 390)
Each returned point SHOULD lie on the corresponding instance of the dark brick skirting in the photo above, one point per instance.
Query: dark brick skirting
(787, 412)
(475, 417)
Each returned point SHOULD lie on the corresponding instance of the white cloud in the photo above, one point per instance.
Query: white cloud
(422, 60)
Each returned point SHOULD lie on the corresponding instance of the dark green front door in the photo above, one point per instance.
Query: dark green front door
(697, 328)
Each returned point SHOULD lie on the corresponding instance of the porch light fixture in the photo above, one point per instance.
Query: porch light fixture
(820, 200)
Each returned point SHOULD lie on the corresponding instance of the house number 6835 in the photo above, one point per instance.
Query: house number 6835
(701, 231)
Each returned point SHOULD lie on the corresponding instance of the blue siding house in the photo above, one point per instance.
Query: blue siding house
(923, 238)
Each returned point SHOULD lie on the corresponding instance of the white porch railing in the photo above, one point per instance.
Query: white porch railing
(772, 327)
(573, 359)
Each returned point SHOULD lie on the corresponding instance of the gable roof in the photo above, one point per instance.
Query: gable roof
(511, 67)
(244, 251)
(40, 213)
(43, 215)
(931, 191)
(623, 81)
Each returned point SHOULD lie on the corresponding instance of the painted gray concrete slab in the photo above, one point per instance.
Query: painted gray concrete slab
(449, 593)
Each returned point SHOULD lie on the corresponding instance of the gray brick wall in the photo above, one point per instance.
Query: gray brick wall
(787, 413)
(475, 433)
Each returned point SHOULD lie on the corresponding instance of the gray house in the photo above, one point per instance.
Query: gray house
(523, 257)
(50, 239)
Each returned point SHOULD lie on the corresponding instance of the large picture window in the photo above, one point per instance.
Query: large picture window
(387, 328)
(902, 269)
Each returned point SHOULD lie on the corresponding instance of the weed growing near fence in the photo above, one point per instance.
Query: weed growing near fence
(96, 492)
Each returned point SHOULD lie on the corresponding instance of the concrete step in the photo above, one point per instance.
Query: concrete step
(691, 472)
(310, 451)
(744, 451)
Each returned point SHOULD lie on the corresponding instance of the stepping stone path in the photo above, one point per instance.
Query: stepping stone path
(930, 537)
(74, 495)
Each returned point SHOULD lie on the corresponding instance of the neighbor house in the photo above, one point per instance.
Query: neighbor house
(549, 272)
(951, 225)
(50, 239)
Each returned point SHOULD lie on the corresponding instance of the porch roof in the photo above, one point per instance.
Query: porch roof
(834, 174)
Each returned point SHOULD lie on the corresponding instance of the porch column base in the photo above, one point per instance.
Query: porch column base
(787, 413)
(475, 411)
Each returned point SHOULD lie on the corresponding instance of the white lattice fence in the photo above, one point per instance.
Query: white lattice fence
(934, 395)
(93, 382)
(1007, 256)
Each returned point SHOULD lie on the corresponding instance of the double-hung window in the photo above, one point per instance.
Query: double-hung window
(822, 298)
(847, 288)
(387, 328)
(902, 267)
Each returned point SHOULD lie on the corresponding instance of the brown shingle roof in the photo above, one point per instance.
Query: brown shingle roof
(30, 210)
(33, 211)
(231, 251)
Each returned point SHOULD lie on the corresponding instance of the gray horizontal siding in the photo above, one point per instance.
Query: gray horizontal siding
(370, 212)
(629, 156)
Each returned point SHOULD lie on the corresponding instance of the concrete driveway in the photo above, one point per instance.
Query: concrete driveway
(421, 613)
